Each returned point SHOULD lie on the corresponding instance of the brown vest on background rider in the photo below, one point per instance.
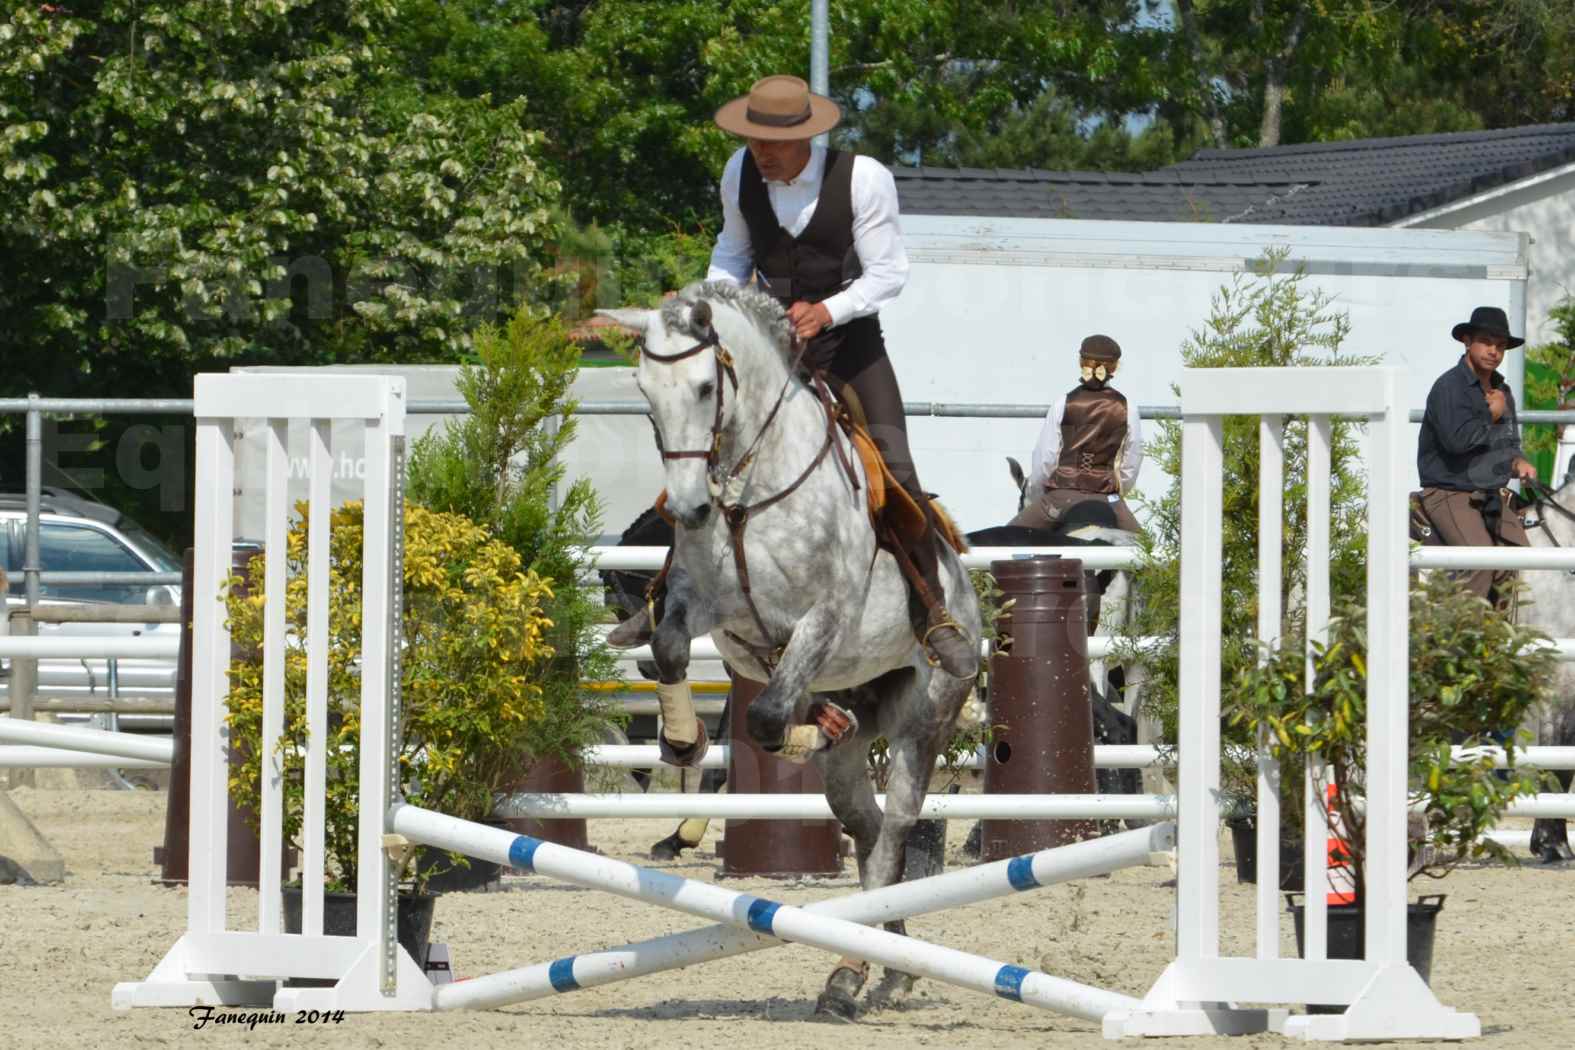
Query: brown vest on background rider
(1093, 431)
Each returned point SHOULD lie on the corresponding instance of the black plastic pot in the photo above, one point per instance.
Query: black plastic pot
(1244, 838)
(415, 920)
(1346, 934)
(450, 877)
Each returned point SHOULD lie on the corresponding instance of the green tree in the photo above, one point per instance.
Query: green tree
(189, 184)
(1550, 383)
(1270, 320)
(501, 465)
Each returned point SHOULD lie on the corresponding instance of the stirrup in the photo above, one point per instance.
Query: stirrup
(924, 641)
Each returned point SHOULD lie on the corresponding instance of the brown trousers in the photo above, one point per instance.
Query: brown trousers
(1458, 518)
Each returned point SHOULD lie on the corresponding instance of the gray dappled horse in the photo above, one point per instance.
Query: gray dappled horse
(762, 489)
(1551, 597)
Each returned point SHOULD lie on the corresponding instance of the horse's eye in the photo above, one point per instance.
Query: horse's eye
(706, 390)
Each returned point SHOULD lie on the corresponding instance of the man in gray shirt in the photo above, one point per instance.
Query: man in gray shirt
(1469, 450)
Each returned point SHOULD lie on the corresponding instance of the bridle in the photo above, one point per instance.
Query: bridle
(737, 515)
(724, 368)
(1542, 496)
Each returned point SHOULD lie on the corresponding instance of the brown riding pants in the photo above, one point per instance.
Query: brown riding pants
(1458, 518)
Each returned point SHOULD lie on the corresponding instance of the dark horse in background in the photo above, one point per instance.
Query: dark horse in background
(624, 592)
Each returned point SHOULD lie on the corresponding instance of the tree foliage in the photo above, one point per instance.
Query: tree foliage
(189, 184)
(1269, 320)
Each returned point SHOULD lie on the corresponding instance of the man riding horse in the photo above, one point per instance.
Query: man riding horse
(1469, 450)
(818, 230)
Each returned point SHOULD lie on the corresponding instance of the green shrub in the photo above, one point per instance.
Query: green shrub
(475, 650)
(1473, 676)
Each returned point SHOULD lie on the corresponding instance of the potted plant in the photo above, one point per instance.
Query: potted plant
(473, 649)
(1473, 676)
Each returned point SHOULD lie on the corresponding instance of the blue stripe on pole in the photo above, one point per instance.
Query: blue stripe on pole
(561, 974)
(1020, 873)
(762, 913)
(1009, 982)
(522, 852)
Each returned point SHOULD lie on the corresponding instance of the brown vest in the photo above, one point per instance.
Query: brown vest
(817, 263)
(1093, 429)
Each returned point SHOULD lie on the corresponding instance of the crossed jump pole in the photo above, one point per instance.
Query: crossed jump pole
(751, 923)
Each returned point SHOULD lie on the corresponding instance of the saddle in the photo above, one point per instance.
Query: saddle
(891, 507)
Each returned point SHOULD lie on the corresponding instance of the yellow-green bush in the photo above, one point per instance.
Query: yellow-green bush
(474, 649)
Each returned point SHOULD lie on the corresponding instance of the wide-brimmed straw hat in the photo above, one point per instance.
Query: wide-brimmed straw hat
(779, 108)
(1489, 319)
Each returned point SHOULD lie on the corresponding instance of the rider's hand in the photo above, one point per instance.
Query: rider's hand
(809, 319)
(1495, 403)
(1524, 470)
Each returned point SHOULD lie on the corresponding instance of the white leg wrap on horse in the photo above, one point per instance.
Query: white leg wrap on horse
(680, 724)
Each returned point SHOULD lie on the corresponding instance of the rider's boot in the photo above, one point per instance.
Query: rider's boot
(944, 641)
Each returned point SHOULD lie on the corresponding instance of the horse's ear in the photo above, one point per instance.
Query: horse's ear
(700, 316)
(630, 317)
(1016, 470)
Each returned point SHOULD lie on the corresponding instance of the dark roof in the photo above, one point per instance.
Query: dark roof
(1362, 182)
(1156, 196)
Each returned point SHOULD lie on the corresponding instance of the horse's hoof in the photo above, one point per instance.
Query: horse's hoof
(834, 1006)
(635, 631)
(893, 989)
(670, 848)
(839, 1001)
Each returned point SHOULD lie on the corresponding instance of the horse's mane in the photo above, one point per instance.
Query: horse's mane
(761, 310)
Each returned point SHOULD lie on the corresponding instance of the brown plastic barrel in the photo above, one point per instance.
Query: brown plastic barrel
(242, 846)
(1044, 740)
(551, 775)
(773, 848)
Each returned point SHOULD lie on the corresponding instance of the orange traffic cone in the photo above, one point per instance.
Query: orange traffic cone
(1342, 880)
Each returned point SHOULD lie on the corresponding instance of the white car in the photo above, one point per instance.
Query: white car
(77, 535)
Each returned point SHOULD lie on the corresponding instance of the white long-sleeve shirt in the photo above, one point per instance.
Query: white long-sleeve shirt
(877, 233)
(1047, 451)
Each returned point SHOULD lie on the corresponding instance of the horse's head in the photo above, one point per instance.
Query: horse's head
(688, 377)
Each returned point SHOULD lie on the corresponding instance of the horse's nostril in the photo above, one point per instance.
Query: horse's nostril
(701, 513)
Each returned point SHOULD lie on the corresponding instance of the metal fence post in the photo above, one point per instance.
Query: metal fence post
(23, 687)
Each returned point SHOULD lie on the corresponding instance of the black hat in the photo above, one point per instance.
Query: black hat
(1100, 348)
(1489, 319)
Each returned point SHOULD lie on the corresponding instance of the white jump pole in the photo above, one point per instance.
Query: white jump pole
(953, 889)
(783, 921)
(677, 806)
(92, 647)
(814, 807)
(1106, 756)
(94, 741)
(22, 757)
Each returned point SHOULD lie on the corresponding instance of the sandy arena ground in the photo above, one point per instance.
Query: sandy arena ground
(1506, 950)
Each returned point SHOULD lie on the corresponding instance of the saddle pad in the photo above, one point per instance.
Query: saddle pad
(890, 503)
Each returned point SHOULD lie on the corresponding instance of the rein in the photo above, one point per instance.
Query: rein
(1544, 498)
(737, 515)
